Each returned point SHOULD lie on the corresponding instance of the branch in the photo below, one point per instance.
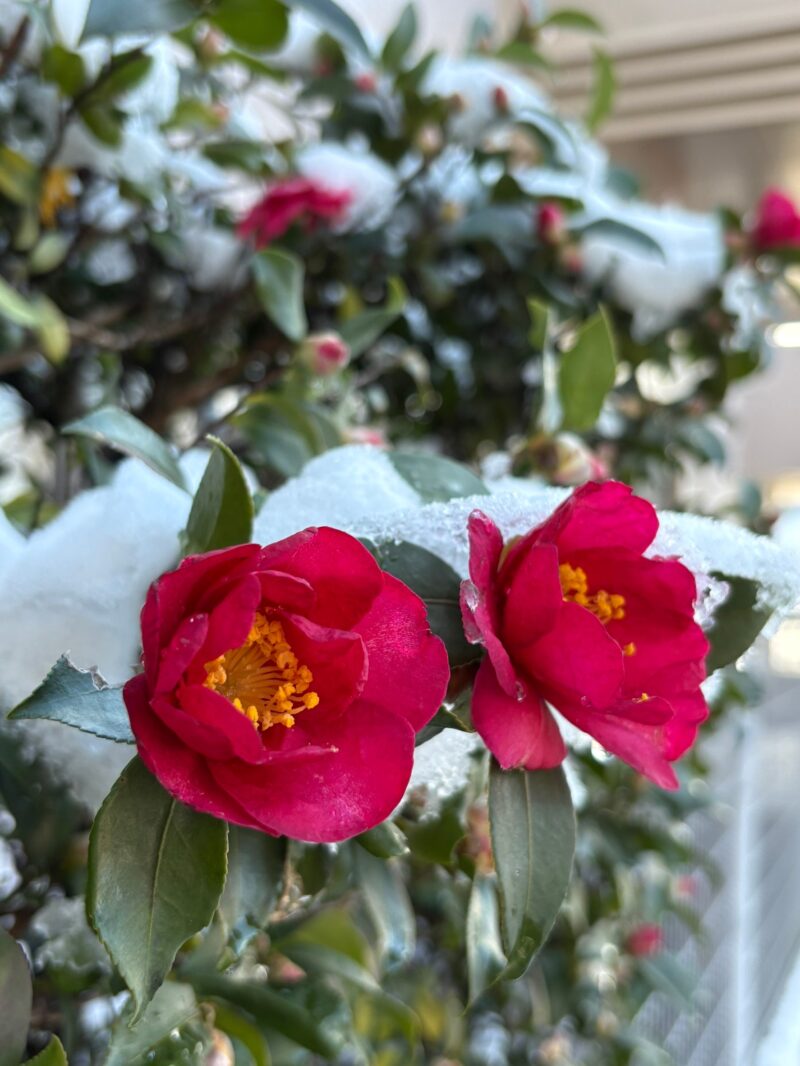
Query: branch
(14, 46)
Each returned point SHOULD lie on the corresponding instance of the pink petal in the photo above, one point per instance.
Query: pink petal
(288, 592)
(601, 515)
(182, 772)
(534, 598)
(343, 574)
(337, 660)
(177, 657)
(336, 795)
(408, 671)
(575, 659)
(517, 732)
(231, 619)
(210, 725)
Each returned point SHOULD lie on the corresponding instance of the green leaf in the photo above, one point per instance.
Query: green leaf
(609, 227)
(524, 55)
(222, 511)
(65, 68)
(400, 39)
(15, 308)
(485, 958)
(586, 373)
(255, 875)
(49, 252)
(539, 313)
(74, 697)
(388, 905)
(118, 429)
(533, 840)
(16, 995)
(53, 1055)
(436, 478)
(156, 874)
(236, 1026)
(272, 1010)
(362, 330)
(279, 278)
(168, 1032)
(603, 90)
(102, 123)
(256, 24)
(111, 18)
(570, 19)
(336, 21)
(435, 582)
(125, 72)
(19, 178)
(737, 622)
(384, 841)
(51, 329)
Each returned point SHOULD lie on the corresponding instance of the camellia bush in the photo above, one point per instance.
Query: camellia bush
(332, 712)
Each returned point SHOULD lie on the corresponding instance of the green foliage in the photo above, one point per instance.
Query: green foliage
(336, 21)
(362, 330)
(122, 431)
(400, 39)
(255, 875)
(278, 277)
(435, 477)
(485, 958)
(603, 90)
(172, 1029)
(533, 840)
(15, 995)
(53, 1055)
(167, 862)
(112, 18)
(222, 510)
(78, 699)
(586, 373)
(256, 24)
(41, 316)
(65, 68)
(737, 622)
(571, 19)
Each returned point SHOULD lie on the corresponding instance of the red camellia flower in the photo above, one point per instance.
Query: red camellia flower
(283, 686)
(288, 201)
(646, 940)
(574, 615)
(777, 221)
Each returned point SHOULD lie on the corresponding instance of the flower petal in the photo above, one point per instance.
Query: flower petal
(517, 732)
(182, 772)
(333, 796)
(231, 619)
(337, 660)
(343, 574)
(408, 668)
(177, 657)
(287, 592)
(576, 659)
(210, 725)
(600, 515)
(534, 598)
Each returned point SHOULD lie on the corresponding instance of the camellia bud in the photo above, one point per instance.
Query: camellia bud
(646, 940)
(500, 99)
(429, 139)
(366, 82)
(324, 354)
(550, 227)
(366, 435)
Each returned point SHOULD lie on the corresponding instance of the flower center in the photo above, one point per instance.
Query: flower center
(263, 678)
(606, 606)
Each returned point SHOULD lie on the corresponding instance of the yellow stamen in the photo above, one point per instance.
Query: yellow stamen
(55, 194)
(643, 698)
(629, 649)
(263, 678)
(606, 606)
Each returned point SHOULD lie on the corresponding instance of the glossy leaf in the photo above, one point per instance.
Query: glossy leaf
(571, 19)
(737, 622)
(335, 21)
(385, 841)
(79, 699)
(111, 18)
(603, 90)
(539, 315)
(388, 905)
(435, 582)
(15, 996)
(485, 958)
(362, 330)
(255, 875)
(53, 1055)
(123, 73)
(65, 68)
(272, 1010)
(19, 178)
(279, 279)
(172, 1028)
(156, 873)
(400, 39)
(609, 227)
(533, 840)
(51, 329)
(524, 55)
(435, 477)
(586, 373)
(234, 1024)
(256, 24)
(120, 430)
(222, 510)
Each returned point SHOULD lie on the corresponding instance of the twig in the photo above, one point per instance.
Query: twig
(14, 46)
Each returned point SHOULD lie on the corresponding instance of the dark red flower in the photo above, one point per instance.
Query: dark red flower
(550, 223)
(283, 686)
(777, 221)
(574, 615)
(646, 940)
(291, 200)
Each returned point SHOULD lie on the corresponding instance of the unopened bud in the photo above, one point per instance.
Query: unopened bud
(550, 224)
(324, 354)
